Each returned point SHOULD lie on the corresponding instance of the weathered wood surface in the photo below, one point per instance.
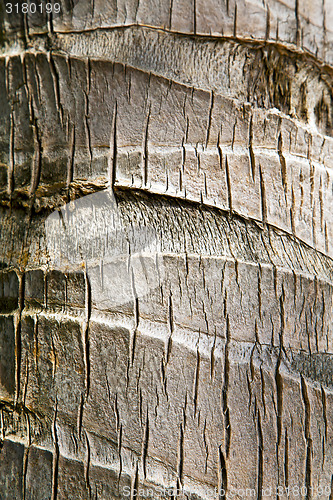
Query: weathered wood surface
(211, 122)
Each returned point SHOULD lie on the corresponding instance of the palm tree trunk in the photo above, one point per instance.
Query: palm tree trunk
(166, 250)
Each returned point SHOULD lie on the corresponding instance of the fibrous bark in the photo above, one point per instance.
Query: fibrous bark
(166, 273)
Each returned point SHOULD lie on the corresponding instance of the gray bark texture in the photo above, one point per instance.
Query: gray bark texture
(166, 246)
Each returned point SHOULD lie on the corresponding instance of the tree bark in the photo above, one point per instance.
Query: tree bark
(166, 246)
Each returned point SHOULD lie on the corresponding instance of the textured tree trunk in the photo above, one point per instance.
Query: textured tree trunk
(166, 245)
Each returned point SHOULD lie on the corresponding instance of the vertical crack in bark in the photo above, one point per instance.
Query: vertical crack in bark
(323, 402)
(49, 17)
(10, 180)
(268, 23)
(170, 14)
(249, 390)
(18, 340)
(119, 429)
(196, 381)
(225, 387)
(56, 86)
(279, 378)
(260, 457)
(324, 26)
(145, 442)
(326, 239)
(113, 148)
(205, 445)
(222, 167)
(71, 158)
(194, 17)
(286, 459)
(260, 291)
(120, 447)
(37, 157)
(133, 334)
(55, 466)
(313, 313)
(26, 35)
(164, 378)
(87, 464)
(283, 167)
(298, 25)
(171, 328)
(86, 341)
(88, 132)
(180, 462)
(86, 351)
(145, 149)
(263, 196)
(227, 172)
(54, 357)
(182, 168)
(233, 134)
(37, 162)
(263, 385)
(80, 416)
(321, 204)
(293, 210)
(235, 21)
(26, 381)
(135, 485)
(209, 121)
(307, 435)
(250, 147)
(2, 428)
(26, 459)
(212, 356)
(36, 350)
(312, 204)
(223, 479)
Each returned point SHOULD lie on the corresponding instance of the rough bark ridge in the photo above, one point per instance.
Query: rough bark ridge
(211, 121)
